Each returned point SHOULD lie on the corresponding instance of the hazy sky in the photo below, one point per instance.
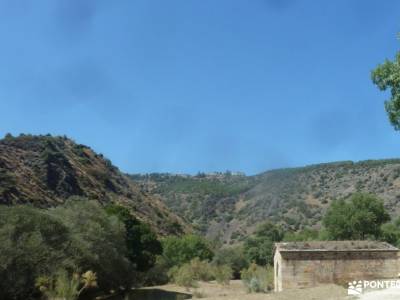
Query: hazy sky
(201, 85)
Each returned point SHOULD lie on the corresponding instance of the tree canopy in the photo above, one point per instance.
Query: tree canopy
(74, 237)
(141, 241)
(387, 77)
(180, 250)
(358, 218)
(259, 247)
(31, 243)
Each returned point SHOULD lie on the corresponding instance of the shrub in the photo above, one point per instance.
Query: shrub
(259, 247)
(258, 279)
(184, 276)
(223, 274)
(65, 286)
(202, 270)
(233, 257)
(158, 274)
(391, 232)
(188, 274)
(180, 250)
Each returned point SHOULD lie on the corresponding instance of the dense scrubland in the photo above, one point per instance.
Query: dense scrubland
(228, 207)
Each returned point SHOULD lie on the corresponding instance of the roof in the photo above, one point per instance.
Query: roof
(338, 246)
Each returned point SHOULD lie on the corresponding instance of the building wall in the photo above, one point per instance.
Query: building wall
(300, 270)
(277, 271)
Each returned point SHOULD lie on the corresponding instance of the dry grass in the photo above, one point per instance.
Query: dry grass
(236, 291)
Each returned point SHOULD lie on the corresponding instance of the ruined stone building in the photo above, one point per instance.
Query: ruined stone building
(307, 264)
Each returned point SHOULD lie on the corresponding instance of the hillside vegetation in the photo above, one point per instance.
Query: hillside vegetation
(45, 171)
(229, 207)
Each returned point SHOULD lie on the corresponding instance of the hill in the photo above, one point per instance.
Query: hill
(45, 171)
(228, 207)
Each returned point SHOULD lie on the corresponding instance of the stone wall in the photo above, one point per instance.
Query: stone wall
(307, 269)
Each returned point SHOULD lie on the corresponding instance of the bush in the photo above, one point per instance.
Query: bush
(196, 270)
(391, 233)
(202, 270)
(158, 274)
(189, 273)
(183, 276)
(223, 274)
(258, 279)
(233, 257)
(180, 250)
(259, 247)
(66, 286)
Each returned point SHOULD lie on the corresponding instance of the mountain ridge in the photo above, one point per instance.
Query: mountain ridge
(224, 206)
(229, 207)
(45, 170)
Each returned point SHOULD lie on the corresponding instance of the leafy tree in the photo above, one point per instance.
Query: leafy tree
(391, 232)
(98, 241)
(387, 76)
(70, 238)
(259, 248)
(142, 243)
(360, 217)
(31, 243)
(180, 250)
(8, 136)
(233, 257)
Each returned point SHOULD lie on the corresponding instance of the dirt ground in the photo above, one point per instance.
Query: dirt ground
(236, 291)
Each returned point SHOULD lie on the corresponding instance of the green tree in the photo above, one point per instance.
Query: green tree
(259, 248)
(31, 243)
(180, 250)
(98, 241)
(391, 233)
(387, 77)
(358, 218)
(70, 238)
(233, 257)
(142, 243)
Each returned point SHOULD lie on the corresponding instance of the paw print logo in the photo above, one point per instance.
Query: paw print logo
(355, 288)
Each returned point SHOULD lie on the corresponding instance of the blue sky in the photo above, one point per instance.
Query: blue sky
(187, 85)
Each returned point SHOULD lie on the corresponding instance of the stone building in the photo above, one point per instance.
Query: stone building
(307, 264)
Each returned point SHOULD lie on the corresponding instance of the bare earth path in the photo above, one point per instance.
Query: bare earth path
(236, 291)
(385, 294)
